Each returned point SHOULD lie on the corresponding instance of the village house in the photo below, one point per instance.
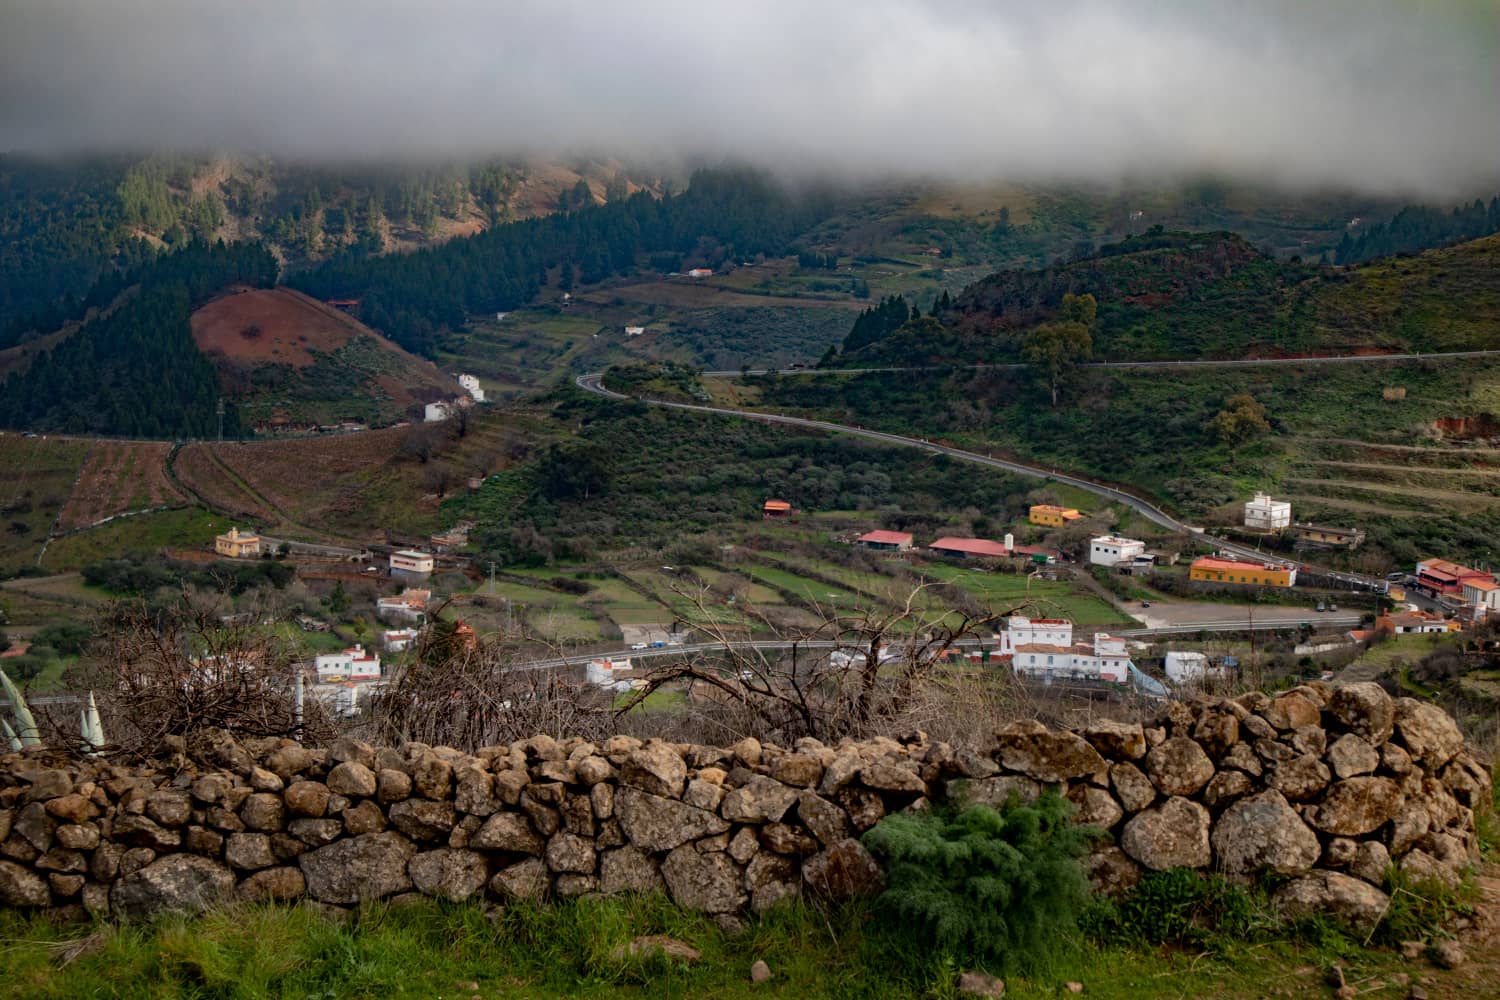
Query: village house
(634, 331)
(614, 675)
(1105, 659)
(885, 541)
(1022, 631)
(1265, 514)
(455, 537)
(1441, 578)
(434, 413)
(396, 639)
(470, 384)
(409, 563)
(1052, 516)
(1108, 550)
(410, 605)
(969, 548)
(701, 272)
(352, 664)
(1191, 667)
(1412, 622)
(237, 544)
(1209, 569)
(772, 509)
(1482, 594)
(1326, 536)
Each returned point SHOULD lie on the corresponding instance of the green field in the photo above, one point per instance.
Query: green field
(187, 527)
(999, 591)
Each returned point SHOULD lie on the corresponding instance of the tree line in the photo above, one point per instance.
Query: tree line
(724, 216)
(1420, 227)
(135, 371)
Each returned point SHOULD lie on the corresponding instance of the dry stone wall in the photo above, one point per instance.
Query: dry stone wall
(1330, 787)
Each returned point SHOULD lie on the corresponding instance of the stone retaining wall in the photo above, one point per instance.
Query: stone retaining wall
(1330, 786)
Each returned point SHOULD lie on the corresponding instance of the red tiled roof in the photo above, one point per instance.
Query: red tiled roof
(886, 537)
(1446, 568)
(1482, 584)
(970, 546)
(778, 505)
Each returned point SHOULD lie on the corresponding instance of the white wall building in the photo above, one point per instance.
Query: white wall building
(1482, 594)
(352, 664)
(397, 639)
(1265, 514)
(1105, 659)
(1189, 667)
(471, 385)
(1107, 550)
(435, 412)
(410, 562)
(634, 331)
(1022, 631)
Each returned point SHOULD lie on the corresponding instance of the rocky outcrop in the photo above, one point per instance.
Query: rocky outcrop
(1330, 787)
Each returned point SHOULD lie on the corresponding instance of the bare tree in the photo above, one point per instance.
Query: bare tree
(176, 670)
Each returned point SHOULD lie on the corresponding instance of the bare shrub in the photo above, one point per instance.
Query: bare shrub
(174, 670)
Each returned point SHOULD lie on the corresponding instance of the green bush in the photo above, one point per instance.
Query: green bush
(1003, 886)
(1181, 906)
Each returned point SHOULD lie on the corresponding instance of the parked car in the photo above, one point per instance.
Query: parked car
(1332, 606)
(637, 645)
(1322, 606)
(1145, 604)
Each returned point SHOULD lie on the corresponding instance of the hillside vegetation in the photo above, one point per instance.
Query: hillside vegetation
(1211, 295)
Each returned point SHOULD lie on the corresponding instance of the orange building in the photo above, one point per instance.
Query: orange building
(1249, 574)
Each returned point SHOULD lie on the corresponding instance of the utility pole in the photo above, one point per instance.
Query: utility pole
(219, 409)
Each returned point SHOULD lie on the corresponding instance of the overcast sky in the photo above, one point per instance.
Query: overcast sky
(1383, 95)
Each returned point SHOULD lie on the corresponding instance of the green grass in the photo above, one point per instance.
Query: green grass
(187, 527)
(428, 950)
(999, 591)
(1410, 648)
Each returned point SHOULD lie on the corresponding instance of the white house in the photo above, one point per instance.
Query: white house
(352, 664)
(701, 272)
(411, 605)
(471, 385)
(1107, 550)
(410, 562)
(1482, 594)
(612, 674)
(634, 331)
(434, 412)
(1105, 659)
(1265, 514)
(1022, 631)
(397, 639)
(1188, 667)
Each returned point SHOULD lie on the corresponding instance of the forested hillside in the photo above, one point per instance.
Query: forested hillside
(723, 217)
(1165, 295)
(134, 370)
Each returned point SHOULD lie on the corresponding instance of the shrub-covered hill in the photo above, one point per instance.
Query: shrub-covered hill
(1168, 295)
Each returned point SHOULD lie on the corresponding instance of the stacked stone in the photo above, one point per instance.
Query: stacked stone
(1330, 786)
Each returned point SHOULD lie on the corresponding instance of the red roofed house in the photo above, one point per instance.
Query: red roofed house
(1105, 659)
(777, 508)
(1023, 631)
(886, 541)
(969, 548)
(1439, 577)
(1410, 622)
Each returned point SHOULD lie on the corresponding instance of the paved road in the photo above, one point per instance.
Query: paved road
(593, 382)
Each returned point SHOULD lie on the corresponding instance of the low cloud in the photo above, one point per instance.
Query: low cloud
(1381, 95)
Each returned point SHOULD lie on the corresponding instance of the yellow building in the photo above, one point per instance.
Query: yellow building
(1250, 574)
(237, 544)
(1053, 516)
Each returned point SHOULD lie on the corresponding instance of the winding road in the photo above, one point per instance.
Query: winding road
(594, 382)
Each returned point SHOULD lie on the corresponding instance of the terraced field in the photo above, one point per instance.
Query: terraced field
(1393, 480)
(119, 476)
(38, 479)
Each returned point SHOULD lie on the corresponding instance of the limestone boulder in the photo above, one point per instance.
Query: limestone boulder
(527, 879)
(1179, 766)
(1134, 790)
(178, 883)
(358, 868)
(1173, 834)
(1291, 711)
(653, 823)
(1429, 734)
(842, 871)
(1263, 833)
(273, 884)
(1116, 740)
(1096, 807)
(1352, 902)
(629, 869)
(655, 768)
(1356, 806)
(1300, 778)
(1111, 871)
(995, 792)
(568, 852)
(1351, 756)
(1365, 710)
(449, 873)
(1046, 756)
(508, 831)
(706, 882)
(424, 820)
(1226, 786)
(759, 800)
(21, 887)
